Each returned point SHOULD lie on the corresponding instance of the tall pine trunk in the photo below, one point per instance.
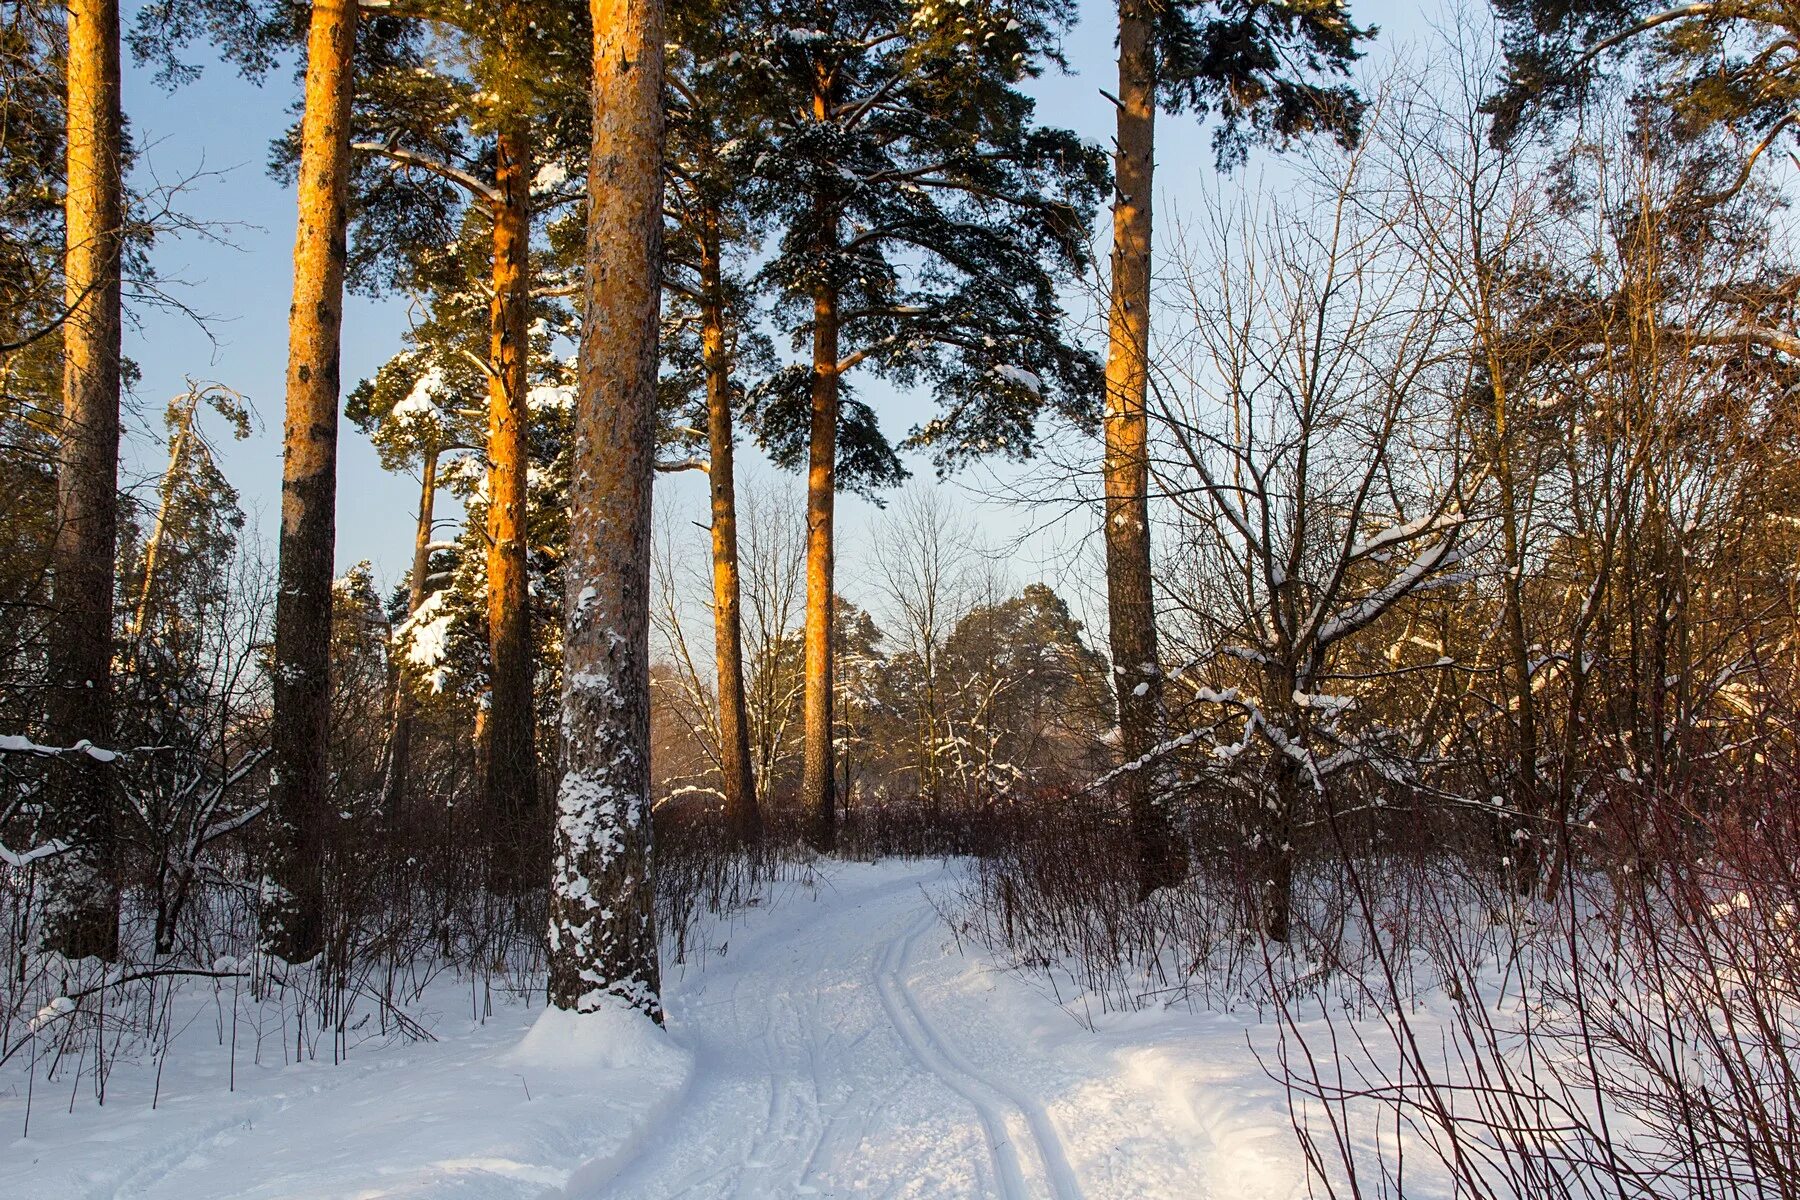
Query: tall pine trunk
(741, 815)
(602, 895)
(818, 779)
(293, 915)
(394, 779)
(1131, 606)
(511, 766)
(86, 904)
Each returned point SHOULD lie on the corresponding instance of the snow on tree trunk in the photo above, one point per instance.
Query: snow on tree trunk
(511, 758)
(602, 914)
(85, 886)
(293, 903)
(741, 815)
(1131, 606)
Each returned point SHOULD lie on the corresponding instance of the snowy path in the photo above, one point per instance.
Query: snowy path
(835, 1042)
(818, 1072)
(843, 1047)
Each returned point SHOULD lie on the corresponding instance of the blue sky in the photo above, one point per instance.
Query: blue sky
(223, 125)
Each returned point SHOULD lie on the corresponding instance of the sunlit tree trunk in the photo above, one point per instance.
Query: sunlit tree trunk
(602, 912)
(86, 906)
(399, 764)
(1131, 607)
(818, 779)
(293, 909)
(818, 776)
(511, 756)
(741, 815)
(184, 428)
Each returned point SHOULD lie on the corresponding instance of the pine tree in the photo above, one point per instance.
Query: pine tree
(602, 898)
(925, 225)
(511, 767)
(1027, 694)
(193, 481)
(186, 678)
(860, 667)
(81, 633)
(712, 151)
(1230, 61)
(426, 411)
(1708, 65)
(415, 414)
(33, 167)
(293, 905)
(32, 162)
(454, 140)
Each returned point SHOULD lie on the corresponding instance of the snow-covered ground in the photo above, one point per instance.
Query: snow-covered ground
(834, 1042)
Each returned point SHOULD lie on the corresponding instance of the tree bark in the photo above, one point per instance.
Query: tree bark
(394, 780)
(81, 638)
(1272, 852)
(1275, 854)
(602, 910)
(818, 779)
(511, 754)
(1131, 607)
(293, 915)
(741, 815)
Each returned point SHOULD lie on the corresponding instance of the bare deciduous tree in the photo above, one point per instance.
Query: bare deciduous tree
(1323, 482)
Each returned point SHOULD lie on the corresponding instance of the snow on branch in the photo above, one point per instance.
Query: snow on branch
(1439, 556)
(13, 743)
(18, 860)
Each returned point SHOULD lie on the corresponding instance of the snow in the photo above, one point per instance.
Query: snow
(20, 859)
(549, 177)
(550, 397)
(14, 743)
(59, 1006)
(838, 1040)
(483, 1114)
(799, 37)
(845, 1046)
(419, 413)
(1021, 378)
(426, 638)
(613, 1037)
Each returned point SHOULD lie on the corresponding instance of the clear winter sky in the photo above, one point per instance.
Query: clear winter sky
(223, 125)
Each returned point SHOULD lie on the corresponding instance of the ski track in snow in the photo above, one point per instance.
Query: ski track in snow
(841, 1051)
(840, 1046)
(1001, 1108)
(803, 1044)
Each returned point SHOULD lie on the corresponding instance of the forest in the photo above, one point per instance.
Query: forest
(1387, 788)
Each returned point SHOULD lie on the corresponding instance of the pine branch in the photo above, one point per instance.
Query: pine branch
(475, 186)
